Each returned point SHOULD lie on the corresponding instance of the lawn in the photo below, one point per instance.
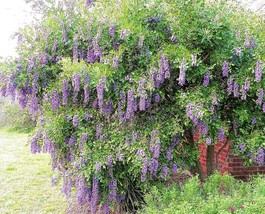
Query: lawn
(25, 185)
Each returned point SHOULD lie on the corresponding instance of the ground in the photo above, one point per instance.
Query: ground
(25, 185)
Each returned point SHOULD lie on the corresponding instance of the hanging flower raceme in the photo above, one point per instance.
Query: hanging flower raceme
(182, 73)
(112, 189)
(86, 89)
(206, 79)
(22, 98)
(31, 64)
(112, 31)
(130, 105)
(225, 69)
(236, 90)
(157, 98)
(75, 50)
(194, 112)
(258, 71)
(65, 92)
(76, 82)
(164, 66)
(245, 89)
(144, 170)
(100, 91)
(83, 192)
(55, 100)
(115, 62)
(164, 172)
(230, 85)
(221, 135)
(260, 94)
(34, 146)
(75, 121)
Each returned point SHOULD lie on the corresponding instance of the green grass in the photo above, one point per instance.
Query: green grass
(25, 185)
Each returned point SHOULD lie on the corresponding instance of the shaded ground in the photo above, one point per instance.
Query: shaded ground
(25, 185)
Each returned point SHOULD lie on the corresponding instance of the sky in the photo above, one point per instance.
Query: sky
(13, 14)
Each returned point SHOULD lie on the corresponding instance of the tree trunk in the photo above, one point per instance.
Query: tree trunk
(210, 160)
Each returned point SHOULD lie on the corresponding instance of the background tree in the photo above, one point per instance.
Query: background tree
(120, 88)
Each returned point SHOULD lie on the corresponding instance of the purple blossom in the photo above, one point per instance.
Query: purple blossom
(225, 69)
(95, 195)
(182, 72)
(87, 117)
(249, 42)
(230, 85)
(164, 66)
(75, 50)
(221, 135)
(67, 184)
(65, 92)
(109, 161)
(206, 79)
(120, 157)
(124, 34)
(31, 64)
(95, 104)
(144, 170)
(148, 102)
(33, 105)
(86, 89)
(72, 141)
(175, 168)
(164, 172)
(130, 105)
(140, 154)
(260, 157)
(260, 96)
(157, 97)
(107, 108)
(55, 100)
(115, 62)
(112, 31)
(48, 145)
(173, 38)
(238, 51)
(106, 207)
(4, 91)
(154, 166)
(100, 91)
(156, 152)
(168, 154)
(142, 104)
(83, 192)
(88, 2)
(22, 98)
(194, 112)
(84, 137)
(134, 136)
(236, 88)
(43, 60)
(263, 107)
(208, 141)
(98, 167)
(112, 189)
(76, 82)
(34, 146)
(98, 131)
(258, 71)
(153, 78)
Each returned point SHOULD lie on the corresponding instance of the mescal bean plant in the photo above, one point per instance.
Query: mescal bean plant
(120, 87)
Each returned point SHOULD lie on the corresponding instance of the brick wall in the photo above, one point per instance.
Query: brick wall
(227, 161)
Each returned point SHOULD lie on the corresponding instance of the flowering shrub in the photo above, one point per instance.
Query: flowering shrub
(120, 87)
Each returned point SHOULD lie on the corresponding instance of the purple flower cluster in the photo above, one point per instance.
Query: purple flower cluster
(124, 34)
(164, 68)
(112, 189)
(260, 96)
(206, 79)
(208, 141)
(86, 89)
(157, 97)
(98, 167)
(98, 131)
(33, 105)
(100, 91)
(55, 100)
(202, 128)
(31, 64)
(182, 72)
(75, 120)
(95, 195)
(236, 90)
(194, 60)
(83, 192)
(164, 172)
(43, 59)
(76, 82)
(67, 184)
(34, 146)
(245, 89)
(75, 50)
(194, 112)
(153, 167)
(225, 69)
(115, 62)
(238, 51)
(130, 105)
(109, 161)
(87, 117)
(260, 157)
(65, 92)
(112, 31)
(22, 98)
(144, 170)
(249, 42)
(175, 168)
(230, 85)
(221, 135)
(258, 71)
